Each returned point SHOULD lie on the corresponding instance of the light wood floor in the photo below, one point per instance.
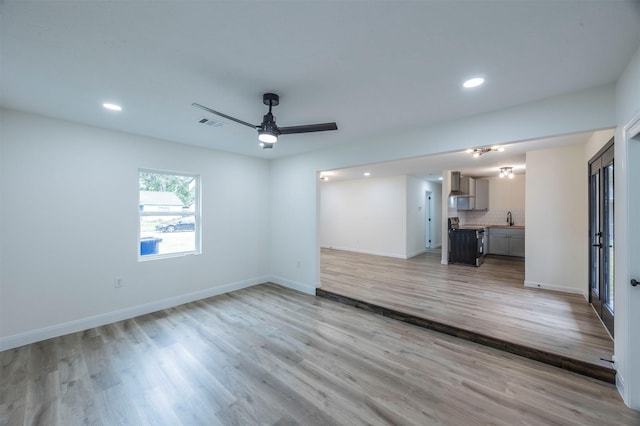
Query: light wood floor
(490, 300)
(272, 356)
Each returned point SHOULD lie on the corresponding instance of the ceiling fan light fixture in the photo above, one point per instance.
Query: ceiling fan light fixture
(506, 172)
(267, 137)
(268, 131)
(265, 145)
(477, 152)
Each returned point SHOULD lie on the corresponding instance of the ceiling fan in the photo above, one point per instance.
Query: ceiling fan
(268, 131)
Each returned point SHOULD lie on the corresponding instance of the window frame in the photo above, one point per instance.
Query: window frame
(196, 212)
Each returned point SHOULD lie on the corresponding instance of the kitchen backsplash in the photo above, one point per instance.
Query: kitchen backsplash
(491, 217)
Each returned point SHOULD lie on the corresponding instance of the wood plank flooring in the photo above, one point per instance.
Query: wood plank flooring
(489, 301)
(272, 356)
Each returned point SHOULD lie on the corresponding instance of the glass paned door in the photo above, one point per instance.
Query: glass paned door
(595, 236)
(601, 226)
(607, 242)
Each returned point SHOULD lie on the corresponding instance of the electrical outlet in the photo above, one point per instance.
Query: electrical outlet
(118, 282)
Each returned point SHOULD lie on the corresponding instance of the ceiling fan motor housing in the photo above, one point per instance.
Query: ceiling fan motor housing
(270, 99)
(269, 124)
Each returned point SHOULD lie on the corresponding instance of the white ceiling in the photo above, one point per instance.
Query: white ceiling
(373, 67)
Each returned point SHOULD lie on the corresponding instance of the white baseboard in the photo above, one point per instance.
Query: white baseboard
(620, 387)
(303, 288)
(417, 253)
(553, 287)
(56, 330)
(376, 253)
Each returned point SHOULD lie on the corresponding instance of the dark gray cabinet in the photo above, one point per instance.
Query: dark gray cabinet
(506, 241)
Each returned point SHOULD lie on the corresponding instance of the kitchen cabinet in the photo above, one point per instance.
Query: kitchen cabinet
(506, 241)
(482, 194)
(478, 190)
(465, 203)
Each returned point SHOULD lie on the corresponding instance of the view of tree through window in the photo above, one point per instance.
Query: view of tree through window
(169, 214)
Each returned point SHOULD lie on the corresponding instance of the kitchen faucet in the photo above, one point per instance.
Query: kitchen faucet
(509, 219)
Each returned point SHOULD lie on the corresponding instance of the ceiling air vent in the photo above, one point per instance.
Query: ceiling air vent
(209, 122)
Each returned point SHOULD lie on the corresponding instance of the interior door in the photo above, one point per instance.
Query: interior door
(601, 226)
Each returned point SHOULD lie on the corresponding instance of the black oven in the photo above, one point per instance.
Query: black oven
(466, 244)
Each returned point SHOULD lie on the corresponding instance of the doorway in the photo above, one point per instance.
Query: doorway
(601, 227)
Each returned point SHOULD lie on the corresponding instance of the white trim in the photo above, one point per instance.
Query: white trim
(170, 214)
(620, 385)
(56, 330)
(293, 285)
(416, 253)
(147, 257)
(554, 287)
(632, 128)
(601, 322)
(376, 253)
(629, 131)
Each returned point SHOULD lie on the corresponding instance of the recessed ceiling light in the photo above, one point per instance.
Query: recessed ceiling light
(473, 82)
(112, 107)
(367, 174)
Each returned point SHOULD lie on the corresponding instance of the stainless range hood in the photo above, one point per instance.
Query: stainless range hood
(456, 191)
(461, 186)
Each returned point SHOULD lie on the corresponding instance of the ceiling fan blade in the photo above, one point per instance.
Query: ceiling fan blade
(228, 117)
(321, 127)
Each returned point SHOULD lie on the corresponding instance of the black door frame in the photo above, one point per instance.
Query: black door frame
(601, 235)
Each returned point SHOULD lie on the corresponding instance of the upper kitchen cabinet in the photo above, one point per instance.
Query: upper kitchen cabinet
(482, 194)
(478, 194)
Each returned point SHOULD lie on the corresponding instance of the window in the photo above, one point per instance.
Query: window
(169, 209)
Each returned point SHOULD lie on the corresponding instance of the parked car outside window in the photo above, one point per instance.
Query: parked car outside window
(183, 224)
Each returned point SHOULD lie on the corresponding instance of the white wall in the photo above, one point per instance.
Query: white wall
(384, 216)
(627, 235)
(69, 208)
(365, 215)
(557, 221)
(505, 193)
(596, 142)
(294, 253)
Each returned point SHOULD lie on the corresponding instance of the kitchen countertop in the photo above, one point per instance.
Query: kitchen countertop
(491, 226)
(472, 226)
